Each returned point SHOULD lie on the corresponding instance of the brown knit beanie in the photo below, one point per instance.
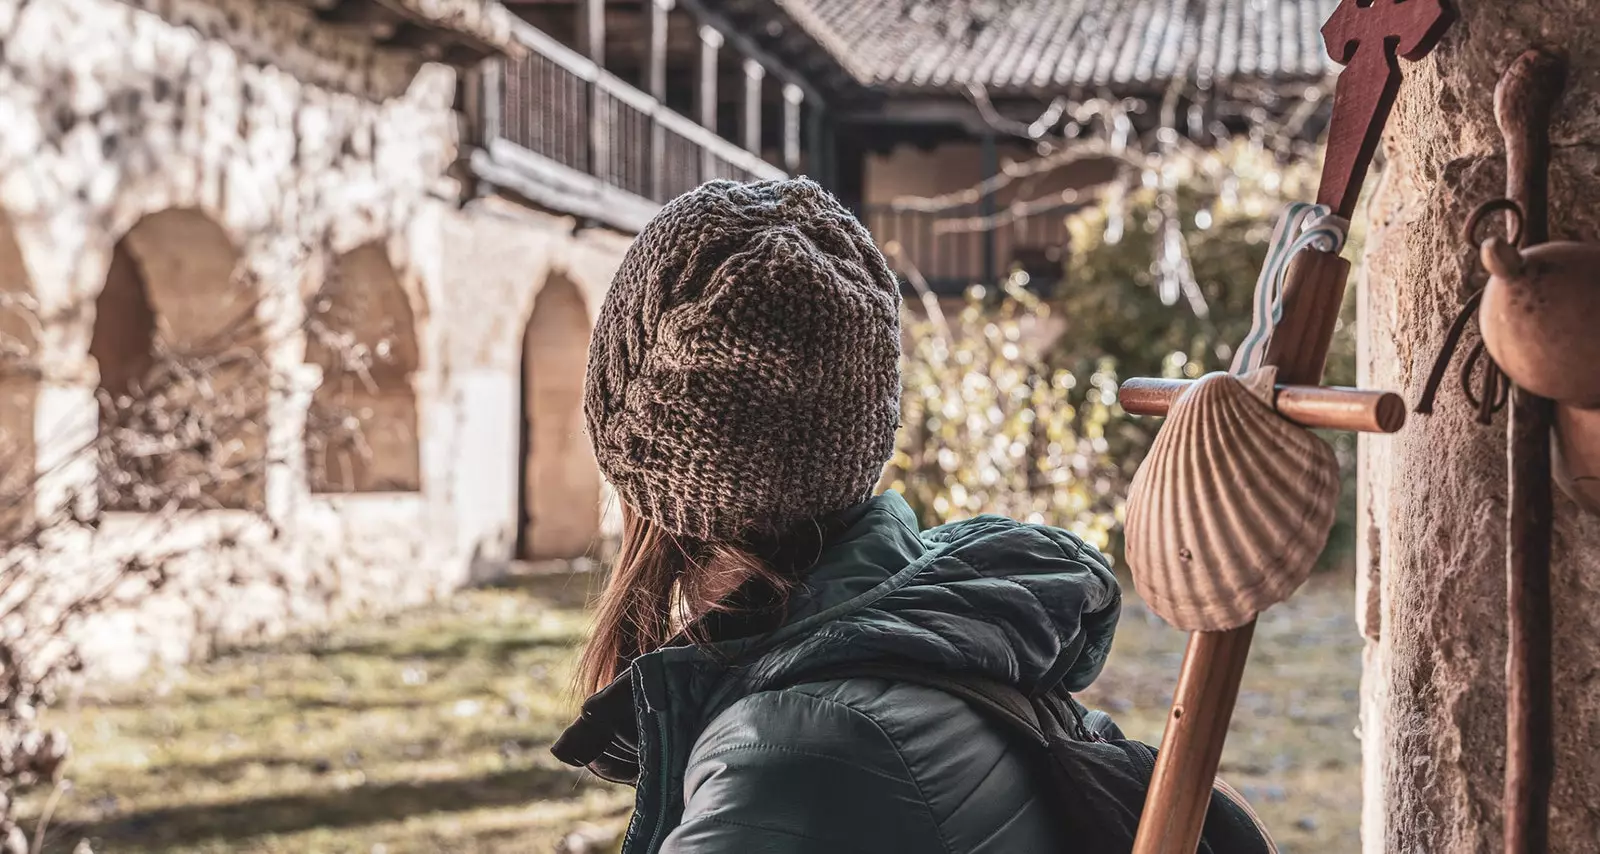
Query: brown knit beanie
(744, 371)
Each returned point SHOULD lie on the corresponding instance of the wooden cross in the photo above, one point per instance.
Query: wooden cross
(1366, 36)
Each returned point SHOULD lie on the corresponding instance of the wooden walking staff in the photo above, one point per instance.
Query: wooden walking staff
(1524, 105)
(1530, 324)
(1366, 36)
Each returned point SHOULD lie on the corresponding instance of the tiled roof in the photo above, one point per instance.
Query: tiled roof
(1043, 45)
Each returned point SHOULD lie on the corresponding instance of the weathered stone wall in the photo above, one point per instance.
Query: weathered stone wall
(296, 143)
(1433, 496)
(507, 255)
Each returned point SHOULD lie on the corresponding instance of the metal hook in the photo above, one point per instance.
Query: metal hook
(1494, 388)
(1514, 235)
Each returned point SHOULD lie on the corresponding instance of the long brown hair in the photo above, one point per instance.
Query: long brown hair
(661, 583)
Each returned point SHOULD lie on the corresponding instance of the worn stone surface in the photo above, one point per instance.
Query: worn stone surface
(1434, 495)
(295, 147)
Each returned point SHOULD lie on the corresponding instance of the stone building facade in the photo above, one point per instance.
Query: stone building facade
(267, 187)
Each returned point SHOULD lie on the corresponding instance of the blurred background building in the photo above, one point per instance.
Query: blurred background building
(297, 295)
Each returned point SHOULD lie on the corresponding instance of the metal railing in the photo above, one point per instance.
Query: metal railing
(561, 130)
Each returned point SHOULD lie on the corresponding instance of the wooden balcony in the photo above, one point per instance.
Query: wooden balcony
(955, 248)
(556, 129)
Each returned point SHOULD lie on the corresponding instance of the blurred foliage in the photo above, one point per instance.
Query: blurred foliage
(1159, 283)
(987, 429)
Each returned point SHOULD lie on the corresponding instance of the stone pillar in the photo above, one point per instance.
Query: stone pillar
(1432, 602)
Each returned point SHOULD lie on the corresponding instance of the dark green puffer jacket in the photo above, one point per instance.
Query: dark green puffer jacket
(730, 766)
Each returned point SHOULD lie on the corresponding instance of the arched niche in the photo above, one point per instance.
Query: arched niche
(183, 385)
(19, 385)
(362, 427)
(560, 483)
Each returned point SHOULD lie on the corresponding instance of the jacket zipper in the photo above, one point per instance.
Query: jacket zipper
(661, 789)
(651, 688)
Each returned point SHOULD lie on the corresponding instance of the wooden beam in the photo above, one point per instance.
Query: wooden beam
(656, 64)
(816, 148)
(550, 185)
(592, 31)
(751, 125)
(953, 111)
(660, 19)
(710, 43)
(990, 156)
(792, 96)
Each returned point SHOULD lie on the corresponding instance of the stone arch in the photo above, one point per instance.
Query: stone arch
(183, 383)
(559, 487)
(19, 383)
(362, 427)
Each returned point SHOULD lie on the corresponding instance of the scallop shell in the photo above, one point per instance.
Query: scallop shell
(1229, 512)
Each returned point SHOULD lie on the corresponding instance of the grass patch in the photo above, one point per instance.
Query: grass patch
(429, 731)
(425, 731)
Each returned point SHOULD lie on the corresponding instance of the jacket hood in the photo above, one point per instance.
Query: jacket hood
(1029, 605)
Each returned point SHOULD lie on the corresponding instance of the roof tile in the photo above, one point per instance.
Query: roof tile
(1028, 45)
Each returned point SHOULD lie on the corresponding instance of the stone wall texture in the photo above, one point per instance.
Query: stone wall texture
(1434, 504)
(289, 146)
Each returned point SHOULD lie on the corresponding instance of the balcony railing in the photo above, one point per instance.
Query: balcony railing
(562, 132)
(962, 246)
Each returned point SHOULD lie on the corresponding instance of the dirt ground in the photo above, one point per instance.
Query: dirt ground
(429, 732)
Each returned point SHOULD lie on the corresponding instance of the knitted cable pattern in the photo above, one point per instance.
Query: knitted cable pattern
(743, 374)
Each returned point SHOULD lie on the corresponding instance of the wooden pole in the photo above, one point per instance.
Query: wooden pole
(751, 123)
(1213, 662)
(1315, 407)
(656, 81)
(592, 41)
(656, 73)
(592, 31)
(792, 96)
(1524, 102)
(710, 43)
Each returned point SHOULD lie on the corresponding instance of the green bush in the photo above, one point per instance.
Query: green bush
(988, 429)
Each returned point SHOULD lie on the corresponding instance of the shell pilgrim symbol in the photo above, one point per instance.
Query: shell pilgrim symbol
(1231, 509)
